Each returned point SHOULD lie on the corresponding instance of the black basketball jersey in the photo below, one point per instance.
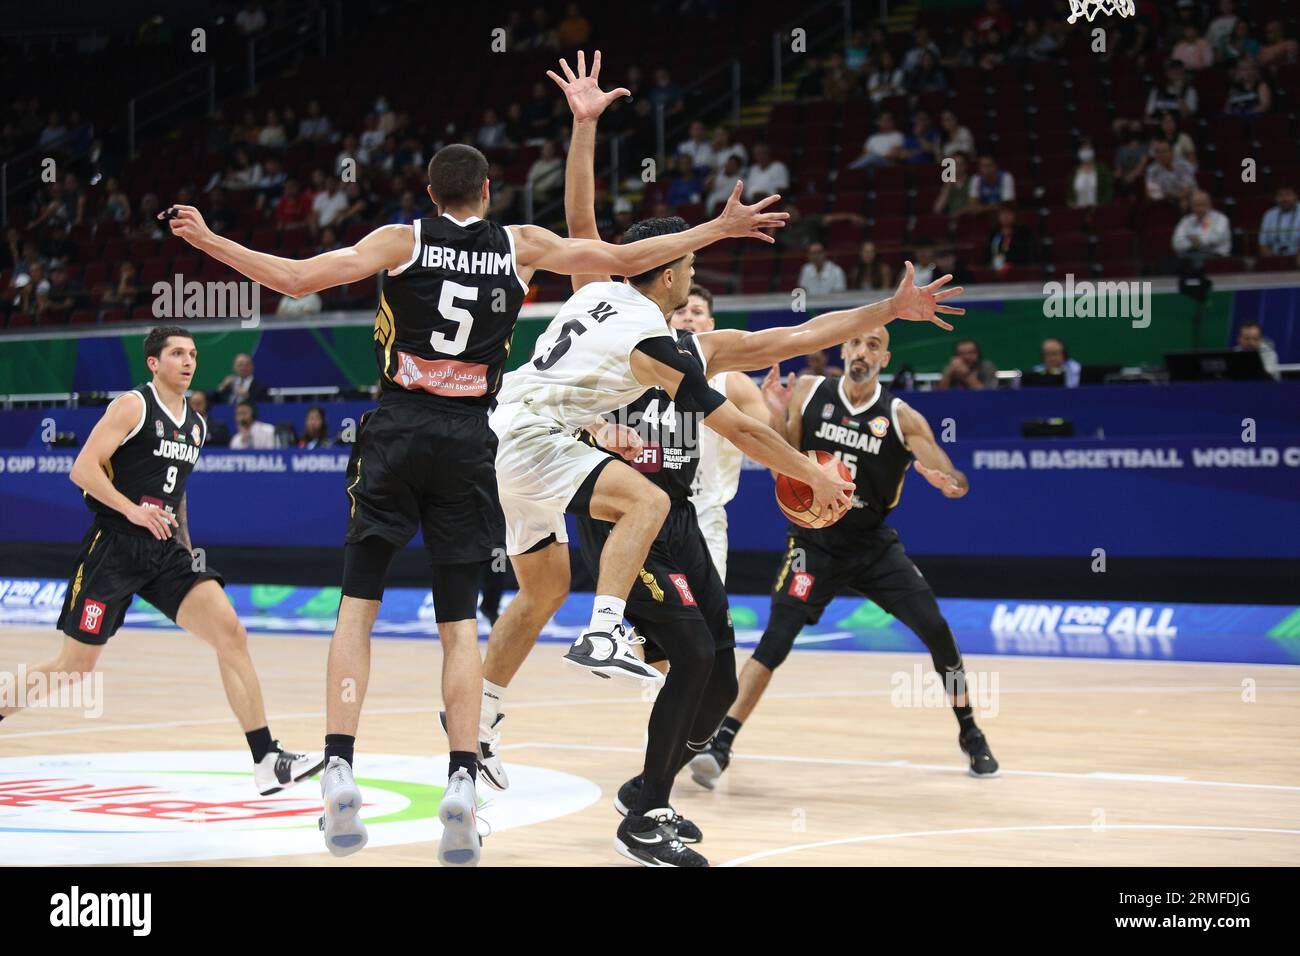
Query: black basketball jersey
(672, 438)
(868, 440)
(446, 316)
(152, 465)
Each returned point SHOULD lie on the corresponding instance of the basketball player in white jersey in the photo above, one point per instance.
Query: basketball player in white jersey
(605, 347)
(423, 460)
(718, 473)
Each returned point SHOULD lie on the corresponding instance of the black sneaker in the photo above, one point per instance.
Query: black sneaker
(625, 800)
(651, 841)
(707, 767)
(974, 746)
(609, 654)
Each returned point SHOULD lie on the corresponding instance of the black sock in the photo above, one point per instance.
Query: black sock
(463, 760)
(726, 734)
(340, 745)
(260, 742)
(965, 718)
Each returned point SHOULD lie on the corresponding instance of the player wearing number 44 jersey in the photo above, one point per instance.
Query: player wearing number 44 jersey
(132, 472)
(424, 459)
(878, 437)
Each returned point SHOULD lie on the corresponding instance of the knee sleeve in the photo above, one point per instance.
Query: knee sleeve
(920, 612)
(455, 591)
(365, 567)
(783, 627)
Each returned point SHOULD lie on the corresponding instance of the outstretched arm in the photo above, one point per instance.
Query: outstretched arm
(587, 102)
(386, 248)
(538, 248)
(733, 350)
(931, 461)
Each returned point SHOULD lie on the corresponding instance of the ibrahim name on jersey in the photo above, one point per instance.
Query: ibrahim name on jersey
(154, 461)
(446, 315)
(867, 438)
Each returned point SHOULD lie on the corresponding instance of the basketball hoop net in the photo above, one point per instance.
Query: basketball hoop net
(1090, 8)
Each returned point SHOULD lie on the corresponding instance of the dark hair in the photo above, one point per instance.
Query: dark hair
(157, 338)
(457, 173)
(324, 422)
(960, 342)
(242, 402)
(1250, 323)
(704, 294)
(1065, 352)
(647, 229)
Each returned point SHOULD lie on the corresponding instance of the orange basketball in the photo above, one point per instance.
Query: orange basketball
(795, 497)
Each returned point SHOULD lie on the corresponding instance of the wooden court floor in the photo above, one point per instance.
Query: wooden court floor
(1103, 762)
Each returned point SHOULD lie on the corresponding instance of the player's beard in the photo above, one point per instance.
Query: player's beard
(860, 372)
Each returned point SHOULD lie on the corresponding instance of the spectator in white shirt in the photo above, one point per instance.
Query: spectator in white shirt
(1169, 178)
(1221, 27)
(251, 433)
(956, 138)
(315, 125)
(820, 276)
(723, 147)
(493, 131)
(991, 186)
(546, 175)
(1203, 232)
(766, 176)
(272, 135)
(327, 204)
(883, 146)
(1279, 229)
(372, 137)
(697, 147)
(723, 183)
(886, 79)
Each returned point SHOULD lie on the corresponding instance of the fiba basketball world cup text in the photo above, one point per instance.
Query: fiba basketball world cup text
(209, 300)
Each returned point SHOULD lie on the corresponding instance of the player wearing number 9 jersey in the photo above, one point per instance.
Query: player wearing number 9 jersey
(132, 472)
(423, 460)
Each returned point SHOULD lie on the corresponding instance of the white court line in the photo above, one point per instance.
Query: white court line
(946, 768)
(764, 854)
(97, 727)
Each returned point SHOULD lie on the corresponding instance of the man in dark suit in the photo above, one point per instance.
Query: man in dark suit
(241, 385)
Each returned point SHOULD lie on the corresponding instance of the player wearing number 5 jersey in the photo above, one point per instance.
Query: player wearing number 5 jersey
(423, 460)
(132, 472)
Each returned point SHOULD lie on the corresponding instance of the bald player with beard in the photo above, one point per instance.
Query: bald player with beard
(878, 437)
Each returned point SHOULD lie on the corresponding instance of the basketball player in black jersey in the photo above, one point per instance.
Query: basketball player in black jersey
(424, 459)
(132, 472)
(878, 437)
(678, 602)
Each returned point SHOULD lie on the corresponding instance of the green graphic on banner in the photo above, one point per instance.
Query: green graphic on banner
(324, 603)
(267, 596)
(866, 617)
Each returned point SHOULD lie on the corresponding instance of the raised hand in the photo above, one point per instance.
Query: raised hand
(776, 393)
(914, 303)
(188, 224)
(586, 100)
(747, 222)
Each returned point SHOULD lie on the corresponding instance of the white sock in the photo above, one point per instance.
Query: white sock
(606, 613)
(493, 694)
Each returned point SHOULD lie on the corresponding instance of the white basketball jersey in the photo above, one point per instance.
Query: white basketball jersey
(581, 366)
(718, 475)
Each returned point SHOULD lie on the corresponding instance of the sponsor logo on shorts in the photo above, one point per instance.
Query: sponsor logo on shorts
(92, 616)
(684, 589)
(879, 426)
(801, 585)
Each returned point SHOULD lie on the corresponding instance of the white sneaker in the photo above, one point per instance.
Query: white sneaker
(607, 654)
(460, 844)
(345, 834)
(492, 771)
(281, 769)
